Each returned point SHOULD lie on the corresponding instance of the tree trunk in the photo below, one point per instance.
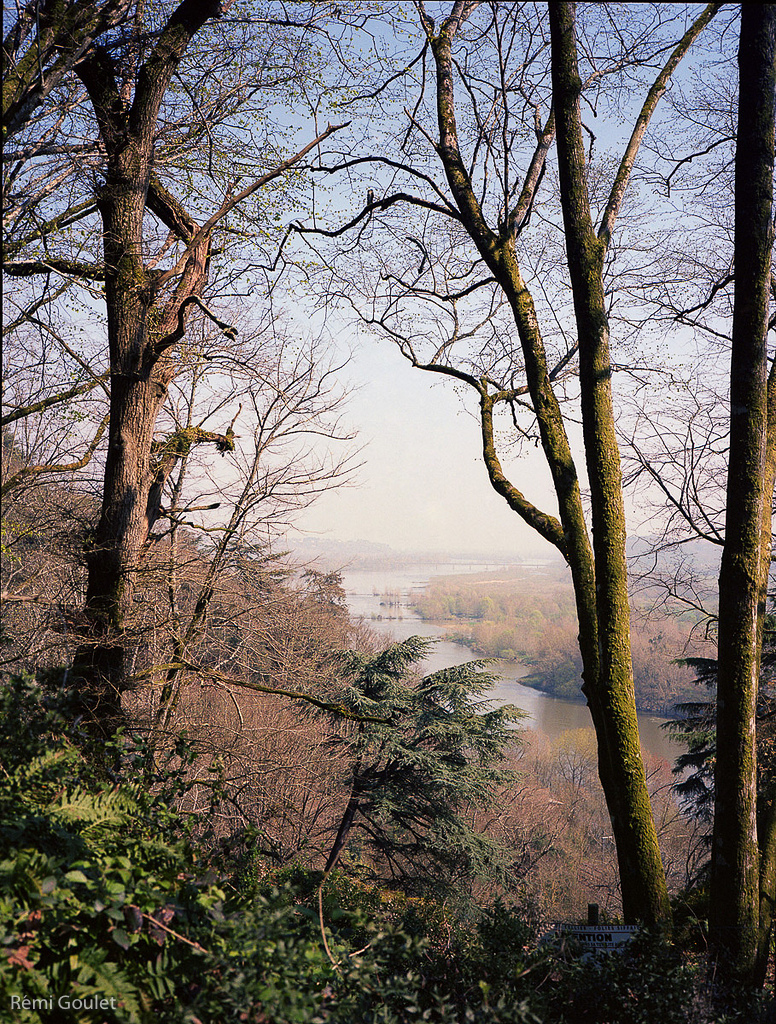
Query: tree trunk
(766, 796)
(347, 819)
(735, 885)
(135, 400)
(599, 575)
(609, 690)
(139, 370)
(612, 697)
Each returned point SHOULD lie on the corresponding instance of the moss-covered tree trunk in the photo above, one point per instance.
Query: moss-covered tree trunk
(612, 698)
(766, 838)
(735, 876)
(598, 571)
(609, 691)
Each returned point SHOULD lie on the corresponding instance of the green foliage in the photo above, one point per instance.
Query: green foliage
(648, 981)
(100, 899)
(425, 755)
(643, 984)
(93, 871)
(104, 897)
(418, 961)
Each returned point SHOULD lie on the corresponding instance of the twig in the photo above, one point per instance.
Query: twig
(334, 963)
(175, 935)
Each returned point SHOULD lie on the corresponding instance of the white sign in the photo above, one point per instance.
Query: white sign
(595, 937)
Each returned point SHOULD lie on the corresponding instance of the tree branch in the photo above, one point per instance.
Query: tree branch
(46, 403)
(169, 339)
(244, 684)
(380, 204)
(231, 201)
(545, 525)
(648, 108)
(68, 268)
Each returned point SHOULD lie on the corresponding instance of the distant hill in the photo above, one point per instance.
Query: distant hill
(336, 554)
(365, 554)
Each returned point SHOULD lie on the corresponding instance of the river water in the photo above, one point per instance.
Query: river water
(367, 593)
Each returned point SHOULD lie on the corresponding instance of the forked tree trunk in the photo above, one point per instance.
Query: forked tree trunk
(137, 318)
(599, 576)
(598, 572)
(147, 311)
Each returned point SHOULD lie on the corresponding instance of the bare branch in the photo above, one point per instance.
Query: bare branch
(67, 467)
(617, 193)
(46, 403)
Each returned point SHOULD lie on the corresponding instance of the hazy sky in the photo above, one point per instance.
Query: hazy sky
(423, 485)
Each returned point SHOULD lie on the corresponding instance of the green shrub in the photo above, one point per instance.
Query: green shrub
(648, 981)
(96, 874)
(104, 896)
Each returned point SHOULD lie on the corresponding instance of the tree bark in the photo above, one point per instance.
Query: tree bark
(612, 697)
(348, 817)
(735, 883)
(139, 373)
(766, 796)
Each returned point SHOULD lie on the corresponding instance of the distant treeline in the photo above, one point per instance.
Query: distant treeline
(530, 617)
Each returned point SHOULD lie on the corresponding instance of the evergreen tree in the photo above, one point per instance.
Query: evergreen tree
(696, 729)
(425, 755)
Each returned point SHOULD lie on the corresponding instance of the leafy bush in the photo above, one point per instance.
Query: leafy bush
(105, 899)
(648, 981)
(96, 882)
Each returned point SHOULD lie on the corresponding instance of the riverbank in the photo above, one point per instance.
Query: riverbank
(387, 600)
(528, 616)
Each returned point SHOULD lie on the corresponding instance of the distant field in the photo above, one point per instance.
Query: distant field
(527, 614)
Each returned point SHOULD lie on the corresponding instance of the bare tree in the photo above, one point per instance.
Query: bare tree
(473, 286)
(286, 449)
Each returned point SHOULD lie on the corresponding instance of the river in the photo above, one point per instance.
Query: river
(366, 591)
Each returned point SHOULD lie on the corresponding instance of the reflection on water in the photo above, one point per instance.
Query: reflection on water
(382, 598)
